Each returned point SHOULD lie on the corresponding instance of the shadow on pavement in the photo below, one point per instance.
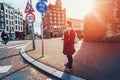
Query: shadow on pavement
(29, 50)
(9, 56)
(98, 61)
(2, 78)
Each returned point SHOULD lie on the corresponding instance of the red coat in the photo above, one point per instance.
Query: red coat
(68, 45)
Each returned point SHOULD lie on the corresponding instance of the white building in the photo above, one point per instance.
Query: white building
(13, 20)
(18, 17)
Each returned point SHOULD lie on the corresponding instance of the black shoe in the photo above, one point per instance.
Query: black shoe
(68, 70)
(66, 65)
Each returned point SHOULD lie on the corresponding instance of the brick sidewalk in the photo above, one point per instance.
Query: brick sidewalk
(93, 60)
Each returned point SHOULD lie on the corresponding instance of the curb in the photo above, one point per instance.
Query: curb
(50, 70)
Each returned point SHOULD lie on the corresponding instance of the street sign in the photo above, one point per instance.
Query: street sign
(41, 7)
(30, 18)
(28, 8)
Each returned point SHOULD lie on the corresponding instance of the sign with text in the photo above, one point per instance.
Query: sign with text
(30, 18)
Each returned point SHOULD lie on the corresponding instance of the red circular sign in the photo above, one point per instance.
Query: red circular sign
(30, 18)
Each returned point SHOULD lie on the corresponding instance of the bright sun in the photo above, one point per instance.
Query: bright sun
(77, 8)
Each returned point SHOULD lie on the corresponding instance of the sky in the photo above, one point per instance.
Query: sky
(76, 9)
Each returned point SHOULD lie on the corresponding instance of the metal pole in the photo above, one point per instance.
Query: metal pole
(42, 37)
(33, 41)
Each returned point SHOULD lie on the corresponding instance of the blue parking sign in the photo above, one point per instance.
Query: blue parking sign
(41, 7)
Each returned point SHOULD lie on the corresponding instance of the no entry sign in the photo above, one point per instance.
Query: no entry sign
(30, 18)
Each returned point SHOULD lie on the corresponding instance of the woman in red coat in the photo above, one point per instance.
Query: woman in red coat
(68, 48)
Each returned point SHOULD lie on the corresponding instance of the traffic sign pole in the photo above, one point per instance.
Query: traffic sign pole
(33, 41)
(42, 8)
(42, 37)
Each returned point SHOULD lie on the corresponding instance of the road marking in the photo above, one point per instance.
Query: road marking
(21, 76)
(17, 46)
(4, 69)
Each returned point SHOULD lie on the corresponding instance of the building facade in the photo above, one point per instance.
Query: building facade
(54, 20)
(13, 20)
(2, 19)
(103, 24)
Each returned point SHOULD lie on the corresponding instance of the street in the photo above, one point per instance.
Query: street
(13, 67)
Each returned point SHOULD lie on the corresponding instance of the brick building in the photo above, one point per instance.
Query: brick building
(54, 20)
(104, 22)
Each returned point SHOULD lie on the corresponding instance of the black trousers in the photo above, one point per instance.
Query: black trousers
(70, 61)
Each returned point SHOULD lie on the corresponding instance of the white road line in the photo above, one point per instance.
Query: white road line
(4, 69)
(15, 46)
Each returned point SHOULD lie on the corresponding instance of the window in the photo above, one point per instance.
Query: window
(54, 18)
(50, 13)
(58, 14)
(16, 27)
(21, 28)
(6, 21)
(50, 22)
(2, 14)
(12, 28)
(62, 22)
(12, 22)
(6, 16)
(63, 15)
(2, 19)
(54, 14)
(55, 22)
(21, 23)
(2, 26)
(59, 22)
(15, 17)
(62, 18)
(50, 17)
(9, 22)
(11, 12)
(16, 21)
(7, 28)
(59, 19)
(9, 16)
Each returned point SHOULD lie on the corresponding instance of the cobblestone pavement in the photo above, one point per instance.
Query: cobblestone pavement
(13, 67)
(92, 60)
